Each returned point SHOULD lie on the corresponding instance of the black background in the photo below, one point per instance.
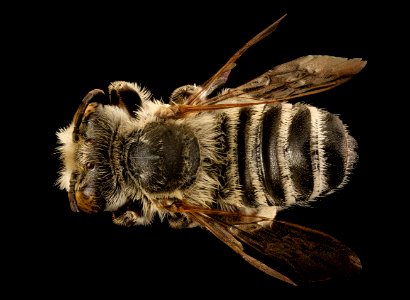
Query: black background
(66, 51)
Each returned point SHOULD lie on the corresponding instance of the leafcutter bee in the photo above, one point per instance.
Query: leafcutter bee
(224, 159)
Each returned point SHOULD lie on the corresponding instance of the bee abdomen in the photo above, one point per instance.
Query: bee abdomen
(291, 154)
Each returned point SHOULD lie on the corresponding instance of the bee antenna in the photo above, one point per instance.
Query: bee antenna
(71, 194)
(95, 95)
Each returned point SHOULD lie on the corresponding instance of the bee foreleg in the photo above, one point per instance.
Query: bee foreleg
(179, 221)
(130, 218)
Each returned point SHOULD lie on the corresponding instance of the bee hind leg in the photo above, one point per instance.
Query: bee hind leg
(179, 221)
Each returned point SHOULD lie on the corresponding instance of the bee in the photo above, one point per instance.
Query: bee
(225, 159)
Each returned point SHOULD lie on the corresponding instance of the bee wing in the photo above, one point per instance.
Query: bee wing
(222, 232)
(297, 78)
(291, 253)
(303, 76)
(307, 254)
(221, 76)
(300, 77)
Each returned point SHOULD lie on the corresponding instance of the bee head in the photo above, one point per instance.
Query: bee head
(87, 150)
(77, 164)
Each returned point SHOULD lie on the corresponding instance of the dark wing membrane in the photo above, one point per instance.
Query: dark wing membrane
(289, 252)
(300, 77)
(305, 75)
(220, 77)
(306, 255)
(221, 231)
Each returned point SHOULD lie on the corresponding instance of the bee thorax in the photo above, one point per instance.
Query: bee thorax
(162, 157)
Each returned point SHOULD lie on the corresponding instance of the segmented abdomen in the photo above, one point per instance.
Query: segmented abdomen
(291, 154)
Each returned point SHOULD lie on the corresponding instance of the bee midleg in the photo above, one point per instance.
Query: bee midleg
(138, 212)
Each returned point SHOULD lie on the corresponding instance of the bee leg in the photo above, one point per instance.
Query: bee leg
(179, 221)
(130, 218)
(126, 95)
(181, 94)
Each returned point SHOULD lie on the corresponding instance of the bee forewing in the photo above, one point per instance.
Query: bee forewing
(221, 76)
(221, 230)
(300, 77)
(304, 254)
